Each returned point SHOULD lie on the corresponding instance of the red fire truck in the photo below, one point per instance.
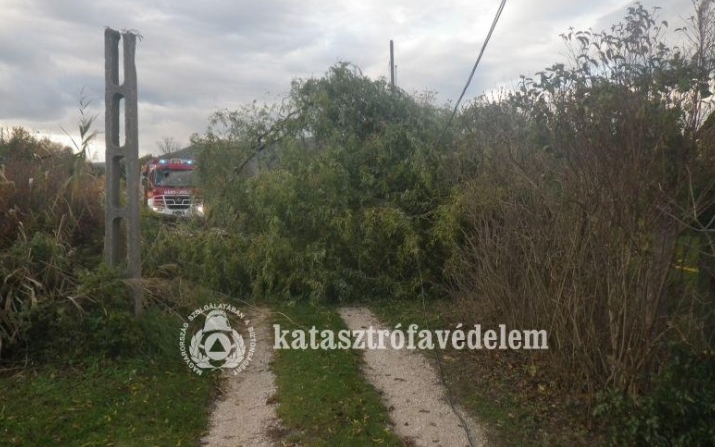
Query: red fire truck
(169, 187)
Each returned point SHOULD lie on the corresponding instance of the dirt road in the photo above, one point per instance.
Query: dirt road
(409, 383)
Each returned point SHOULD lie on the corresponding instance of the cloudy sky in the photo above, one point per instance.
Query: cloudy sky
(200, 56)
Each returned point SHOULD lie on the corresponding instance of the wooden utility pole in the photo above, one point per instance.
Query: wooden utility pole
(392, 65)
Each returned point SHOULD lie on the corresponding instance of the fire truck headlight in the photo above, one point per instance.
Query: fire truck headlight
(200, 209)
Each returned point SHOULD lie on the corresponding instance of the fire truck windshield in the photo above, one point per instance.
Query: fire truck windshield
(174, 179)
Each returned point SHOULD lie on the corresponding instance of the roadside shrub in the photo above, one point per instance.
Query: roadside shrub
(58, 301)
(34, 271)
(51, 221)
(97, 321)
(94, 316)
(578, 194)
(678, 410)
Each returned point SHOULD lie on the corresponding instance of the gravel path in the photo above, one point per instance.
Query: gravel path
(413, 392)
(245, 415)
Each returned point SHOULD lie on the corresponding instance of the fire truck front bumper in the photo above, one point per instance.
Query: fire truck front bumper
(193, 210)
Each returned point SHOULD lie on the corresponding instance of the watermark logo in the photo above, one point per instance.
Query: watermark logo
(216, 341)
(473, 338)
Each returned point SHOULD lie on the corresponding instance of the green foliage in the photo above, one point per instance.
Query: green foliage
(92, 373)
(34, 271)
(331, 195)
(54, 299)
(345, 105)
(678, 411)
(213, 258)
(50, 230)
(96, 321)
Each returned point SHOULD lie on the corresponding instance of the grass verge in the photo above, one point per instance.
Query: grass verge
(123, 402)
(323, 399)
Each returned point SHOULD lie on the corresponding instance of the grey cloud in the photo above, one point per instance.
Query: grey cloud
(197, 57)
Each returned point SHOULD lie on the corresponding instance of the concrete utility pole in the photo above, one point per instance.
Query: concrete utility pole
(392, 65)
(115, 153)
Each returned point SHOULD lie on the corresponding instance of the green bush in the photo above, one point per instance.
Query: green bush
(213, 258)
(52, 190)
(576, 193)
(34, 272)
(332, 197)
(97, 320)
(51, 222)
(678, 411)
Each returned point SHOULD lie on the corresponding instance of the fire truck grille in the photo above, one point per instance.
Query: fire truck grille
(177, 202)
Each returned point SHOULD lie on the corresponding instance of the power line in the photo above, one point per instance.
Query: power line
(465, 426)
(474, 69)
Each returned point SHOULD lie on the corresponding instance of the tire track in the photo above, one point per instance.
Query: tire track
(246, 415)
(413, 392)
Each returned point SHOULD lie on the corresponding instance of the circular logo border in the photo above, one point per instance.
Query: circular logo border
(232, 363)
